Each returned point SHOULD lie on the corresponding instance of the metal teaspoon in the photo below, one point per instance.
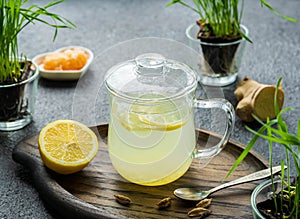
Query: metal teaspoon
(192, 194)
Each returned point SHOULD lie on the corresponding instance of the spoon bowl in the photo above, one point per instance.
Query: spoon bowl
(191, 194)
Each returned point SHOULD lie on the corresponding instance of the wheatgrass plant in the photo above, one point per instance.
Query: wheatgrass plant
(222, 18)
(14, 17)
(276, 131)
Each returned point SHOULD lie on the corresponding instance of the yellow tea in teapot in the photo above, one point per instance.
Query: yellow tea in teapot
(151, 144)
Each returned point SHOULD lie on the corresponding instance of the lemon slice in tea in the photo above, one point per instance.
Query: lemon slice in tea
(162, 117)
(164, 121)
(67, 146)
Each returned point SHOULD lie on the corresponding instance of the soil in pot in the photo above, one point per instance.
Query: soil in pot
(219, 58)
(12, 102)
(268, 209)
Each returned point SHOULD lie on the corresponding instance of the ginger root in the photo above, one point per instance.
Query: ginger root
(258, 99)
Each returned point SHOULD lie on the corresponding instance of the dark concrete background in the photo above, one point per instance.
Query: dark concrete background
(104, 23)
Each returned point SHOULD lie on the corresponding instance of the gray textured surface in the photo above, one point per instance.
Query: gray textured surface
(104, 23)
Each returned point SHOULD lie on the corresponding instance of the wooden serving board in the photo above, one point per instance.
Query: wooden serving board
(90, 192)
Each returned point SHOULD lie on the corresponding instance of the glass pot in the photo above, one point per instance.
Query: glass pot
(264, 191)
(219, 62)
(17, 102)
(151, 136)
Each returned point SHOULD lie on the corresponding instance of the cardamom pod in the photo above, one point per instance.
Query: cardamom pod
(199, 212)
(205, 203)
(122, 199)
(164, 203)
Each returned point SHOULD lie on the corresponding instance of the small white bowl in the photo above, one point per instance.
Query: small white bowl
(63, 75)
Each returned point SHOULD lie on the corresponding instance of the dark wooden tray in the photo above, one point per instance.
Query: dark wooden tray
(90, 192)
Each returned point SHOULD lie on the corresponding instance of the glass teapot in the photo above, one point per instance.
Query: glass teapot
(151, 136)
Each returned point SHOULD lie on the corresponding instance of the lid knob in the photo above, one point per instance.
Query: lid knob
(150, 64)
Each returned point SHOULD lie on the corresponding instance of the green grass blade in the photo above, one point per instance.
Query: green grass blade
(264, 2)
(245, 151)
(298, 128)
(182, 3)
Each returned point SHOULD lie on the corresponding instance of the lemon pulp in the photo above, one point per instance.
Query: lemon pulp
(67, 146)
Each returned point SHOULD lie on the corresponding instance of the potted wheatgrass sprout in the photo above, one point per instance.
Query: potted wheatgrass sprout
(17, 73)
(221, 36)
(278, 197)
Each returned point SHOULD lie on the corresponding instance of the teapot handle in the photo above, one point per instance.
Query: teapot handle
(229, 111)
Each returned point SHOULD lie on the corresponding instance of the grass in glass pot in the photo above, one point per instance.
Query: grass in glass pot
(221, 36)
(17, 73)
(278, 197)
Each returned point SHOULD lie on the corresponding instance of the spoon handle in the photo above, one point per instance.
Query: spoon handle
(251, 177)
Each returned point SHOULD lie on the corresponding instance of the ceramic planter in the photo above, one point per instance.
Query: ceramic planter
(17, 102)
(219, 62)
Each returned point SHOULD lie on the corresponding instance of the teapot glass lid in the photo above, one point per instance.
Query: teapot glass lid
(150, 75)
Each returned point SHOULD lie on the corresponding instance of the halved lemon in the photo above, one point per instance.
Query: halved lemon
(67, 146)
